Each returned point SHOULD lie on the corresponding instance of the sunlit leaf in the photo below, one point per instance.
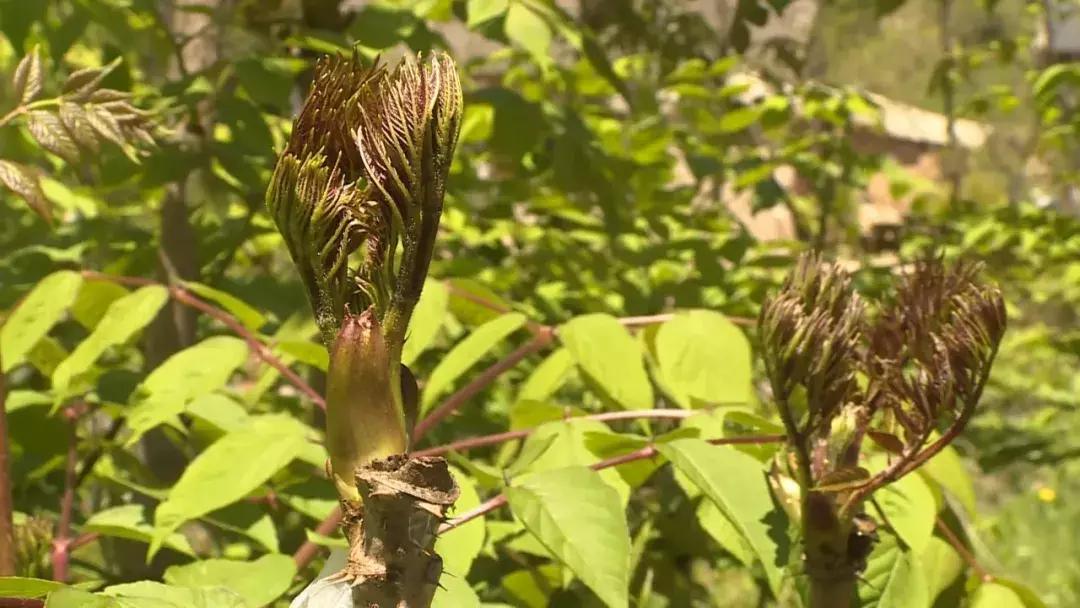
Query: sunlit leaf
(259, 582)
(467, 353)
(605, 352)
(42, 308)
(580, 519)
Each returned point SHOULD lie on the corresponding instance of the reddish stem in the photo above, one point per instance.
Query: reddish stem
(963, 551)
(478, 384)
(61, 545)
(644, 320)
(186, 297)
(20, 602)
(309, 550)
(614, 461)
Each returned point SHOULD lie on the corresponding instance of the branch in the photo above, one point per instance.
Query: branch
(19, 602)
(642, 454)
(309, 550)
(7, 506)
(186, 297)
(962, 549)
(61, 544)
(644, 320)
(478, 384)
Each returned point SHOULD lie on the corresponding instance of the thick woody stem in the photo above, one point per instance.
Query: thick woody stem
(830, 567)
(392, 561)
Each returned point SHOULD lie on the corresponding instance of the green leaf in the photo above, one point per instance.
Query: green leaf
(738, 120)
(609, 357)
(1028, 598)
(480, 11)
(716, 523)
(736, 483)
(311, 353)
(42, 308)
(93, 300)
(149, 594)
(15, 586)
(70, 597)
(218, 410)
(426, 321)
(993, 595)
(941, 566)
(529, 31)
(259, 582)
(460, 546)
(947, 469)
(244, 312)
(547, 377)
(703, 359)
(910, 508)
(122, 320)
(190, 373)
(893, 578)
(580, 519)
(454, 592)
(564, 443)
(467, 353)
(313, 497)
(228, 470)
(129, 521)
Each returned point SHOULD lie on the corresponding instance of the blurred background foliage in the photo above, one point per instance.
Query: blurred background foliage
(628, 157)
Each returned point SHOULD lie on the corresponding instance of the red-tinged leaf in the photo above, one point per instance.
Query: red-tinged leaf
(887, 441)
(843, 479)
(28, 79)
(23, 181)
(51, 134)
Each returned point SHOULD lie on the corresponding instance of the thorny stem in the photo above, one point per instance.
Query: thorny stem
(186, 297)
(7, 507)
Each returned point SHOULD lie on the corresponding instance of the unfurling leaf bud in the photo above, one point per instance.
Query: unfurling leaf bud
(362, 421)
(363, 178)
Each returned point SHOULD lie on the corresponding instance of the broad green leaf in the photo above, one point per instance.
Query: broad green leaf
(480, 11)
(455, 592)
(228, 470)
(473, 303)
(190, 373)
(580, 519)
(94, 300)
(1028, 598)
(218, 410)
(69, 597)
(149, 594)
(910, 508)
(560, 444)
(313, 497)
(467, 353)
(129, 521)
(259, 582)
(122, 320)
(737, 120)
(330, 542)
(305, 351)
(547, 377)
(42, 308)
(703, 359)
(460, 546)
(947, 469)
(248, 519)
(993, 595)
(893, 578)
(607, 354)
(244, 312)
(15, 586)
(529, 31)
(716, 523)
(736, 483)
(941, 566)
(427, 319)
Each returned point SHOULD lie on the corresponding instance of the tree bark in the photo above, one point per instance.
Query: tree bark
(392, 562)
